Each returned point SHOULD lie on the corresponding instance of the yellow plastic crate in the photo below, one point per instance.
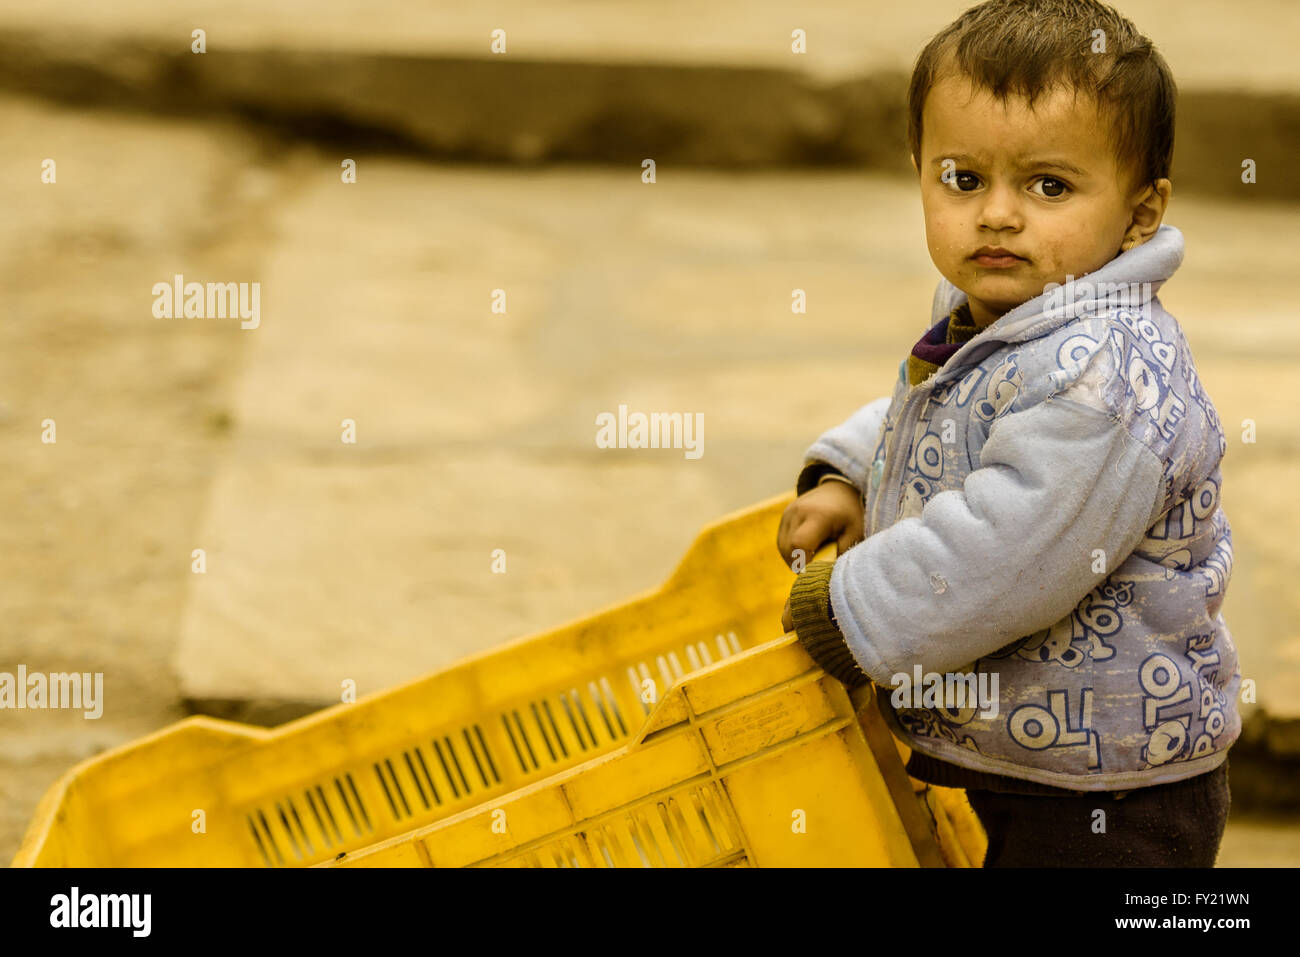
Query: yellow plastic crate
(672, 729)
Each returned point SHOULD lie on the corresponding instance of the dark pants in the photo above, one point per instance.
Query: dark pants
(1167, 825)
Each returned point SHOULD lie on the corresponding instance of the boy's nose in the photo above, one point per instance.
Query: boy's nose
(1000, 209)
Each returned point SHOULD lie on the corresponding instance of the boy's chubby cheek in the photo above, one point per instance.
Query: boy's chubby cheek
(942, 233)
(1048, 261)
(946, 251)
(1075, 256)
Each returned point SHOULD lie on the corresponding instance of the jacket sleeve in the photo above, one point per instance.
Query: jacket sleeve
(848, 447)
(1009, 554)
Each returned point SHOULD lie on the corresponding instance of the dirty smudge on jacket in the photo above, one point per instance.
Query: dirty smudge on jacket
(1047, 506)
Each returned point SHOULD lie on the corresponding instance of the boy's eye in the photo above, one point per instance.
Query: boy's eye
(956, 181)
(1052, 188)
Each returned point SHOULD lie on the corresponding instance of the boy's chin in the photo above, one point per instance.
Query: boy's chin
(1001, 292)
(998, 305)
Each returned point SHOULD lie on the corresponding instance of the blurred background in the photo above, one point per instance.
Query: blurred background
(515, 178)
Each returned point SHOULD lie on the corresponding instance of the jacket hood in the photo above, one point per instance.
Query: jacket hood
(1119, 282)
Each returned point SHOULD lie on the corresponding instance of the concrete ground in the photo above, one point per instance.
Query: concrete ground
(476, 429)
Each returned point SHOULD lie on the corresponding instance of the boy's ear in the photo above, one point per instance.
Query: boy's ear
(914, 164)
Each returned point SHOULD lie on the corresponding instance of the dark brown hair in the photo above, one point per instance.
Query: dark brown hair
(1027, 47)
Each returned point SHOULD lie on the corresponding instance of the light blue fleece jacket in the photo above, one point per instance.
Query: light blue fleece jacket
(1046, 508)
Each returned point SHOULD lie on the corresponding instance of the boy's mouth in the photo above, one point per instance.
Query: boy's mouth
(995, 257)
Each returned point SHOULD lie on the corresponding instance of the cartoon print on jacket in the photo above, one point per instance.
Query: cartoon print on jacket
(938, 723)
(1171, 738)
(1096, 618)
(1002, 389)
(1036, 728)
(925, 468)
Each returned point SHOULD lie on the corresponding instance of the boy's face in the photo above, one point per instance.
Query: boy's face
(1044, 185)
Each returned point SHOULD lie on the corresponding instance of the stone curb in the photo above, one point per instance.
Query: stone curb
(513, 110)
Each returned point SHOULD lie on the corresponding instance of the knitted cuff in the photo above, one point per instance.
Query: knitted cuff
(814, 623)
(811, 475)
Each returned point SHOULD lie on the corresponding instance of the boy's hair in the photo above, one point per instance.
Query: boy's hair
(1025, 47)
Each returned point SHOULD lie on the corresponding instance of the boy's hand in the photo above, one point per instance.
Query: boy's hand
(830, 512)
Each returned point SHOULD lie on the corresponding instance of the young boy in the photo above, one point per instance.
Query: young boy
(1040, 496)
